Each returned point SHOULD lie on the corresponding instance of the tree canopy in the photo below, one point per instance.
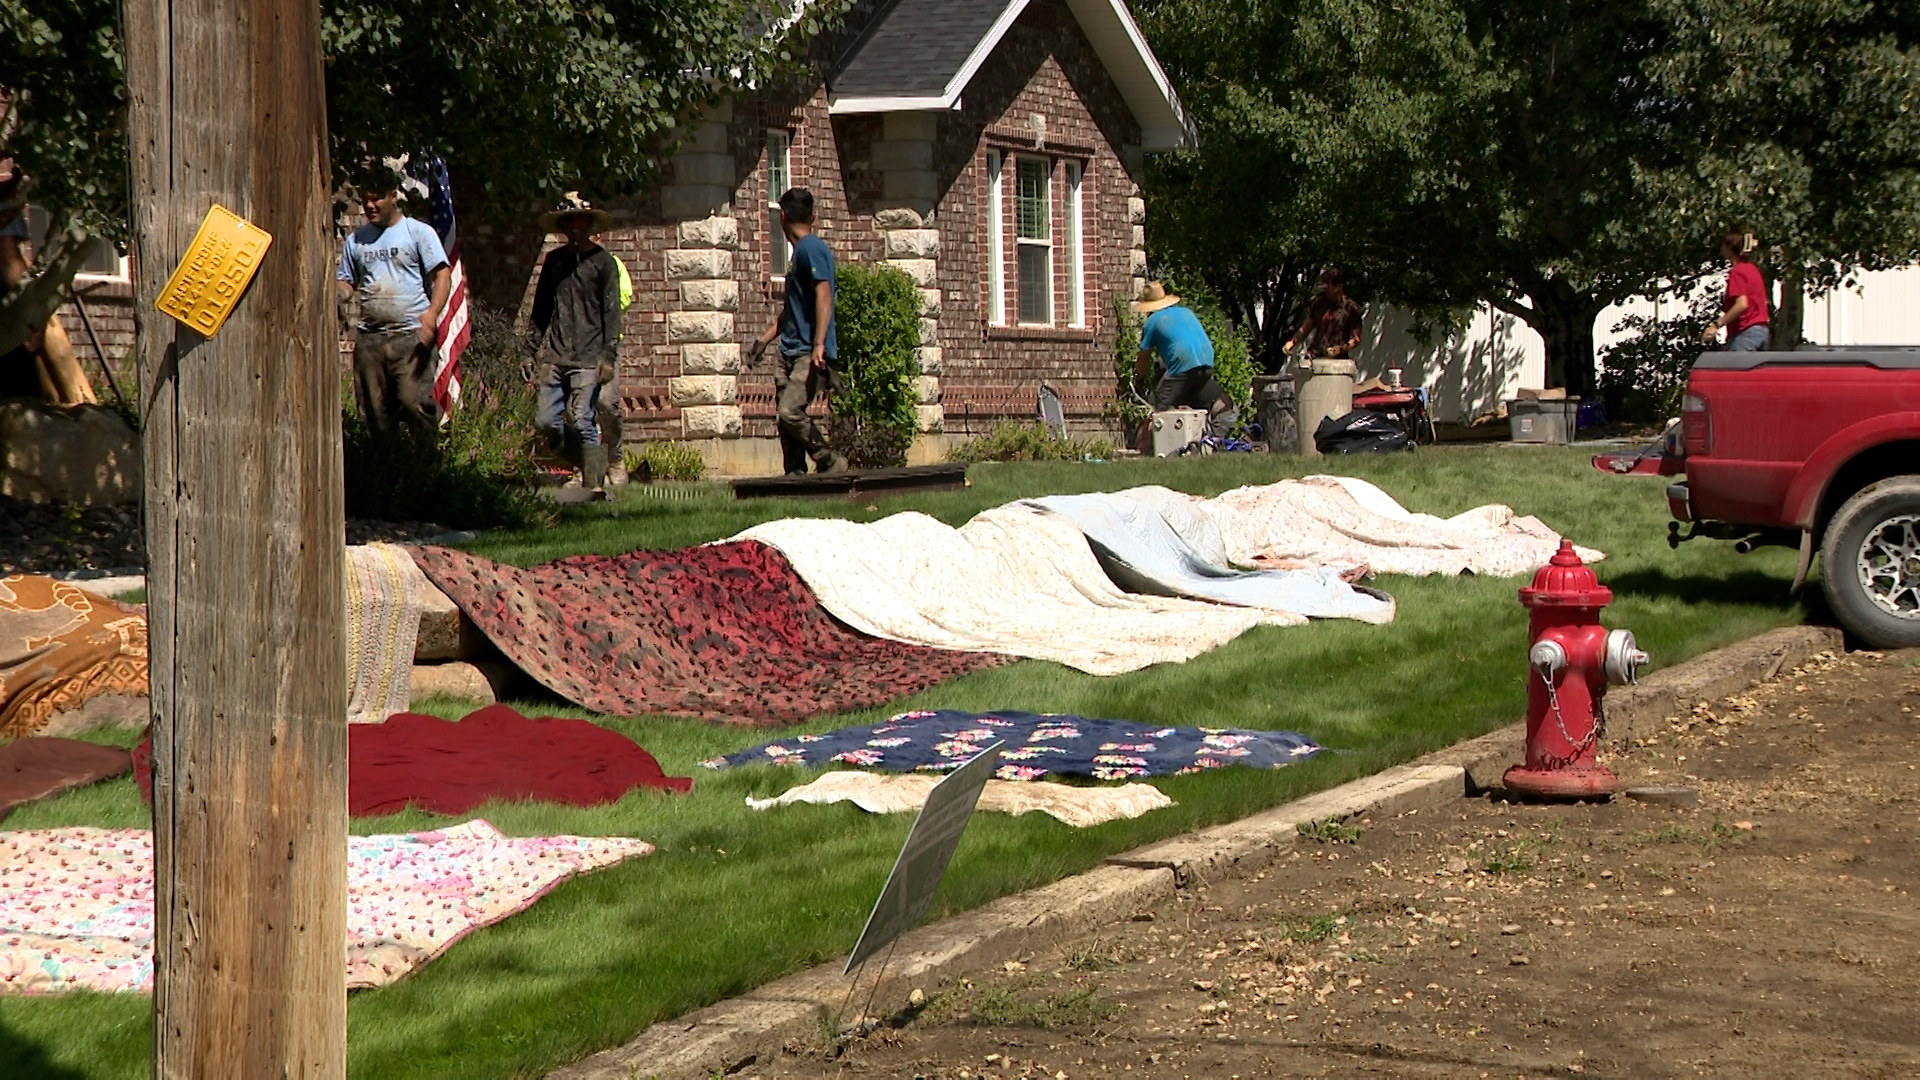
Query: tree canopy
(528, 97)
(1548, 161)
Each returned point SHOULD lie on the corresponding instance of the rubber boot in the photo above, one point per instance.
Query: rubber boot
(593, 466)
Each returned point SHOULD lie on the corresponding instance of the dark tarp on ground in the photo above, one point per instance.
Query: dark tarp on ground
(451, 768)
(722, 632)
(36, 768)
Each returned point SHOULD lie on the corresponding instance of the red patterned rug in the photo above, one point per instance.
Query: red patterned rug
(722, 632)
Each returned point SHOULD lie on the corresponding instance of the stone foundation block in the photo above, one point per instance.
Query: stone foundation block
(1137, 263)
(706, 137)
(903, 126)
(685, 326)
(699, 263)
(930, 418)
(930, 303)
(912, 244)
(720, 231)
(926, 391)
(1136, 211)
(701, 390)
(710, 294)
(710, 358)
(705, 169)
(900, 217)
(84, 454)
(924, 272)
(893, 156)
(929, 331)
(1140, 236)
(710, 421)
(911, 185)
(929, 358)
(679, 201)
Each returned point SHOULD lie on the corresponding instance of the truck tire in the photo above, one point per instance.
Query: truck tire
(1870, 563)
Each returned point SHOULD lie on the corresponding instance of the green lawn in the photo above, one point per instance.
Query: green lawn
(734, 898)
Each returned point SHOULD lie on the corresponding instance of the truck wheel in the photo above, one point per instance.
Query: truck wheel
(1870, 563)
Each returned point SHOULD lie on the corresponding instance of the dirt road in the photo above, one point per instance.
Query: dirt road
(1768, 931)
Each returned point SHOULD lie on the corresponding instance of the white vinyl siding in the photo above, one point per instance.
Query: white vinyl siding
(1034, 235)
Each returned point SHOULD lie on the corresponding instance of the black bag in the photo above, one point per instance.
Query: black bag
(1361, 431)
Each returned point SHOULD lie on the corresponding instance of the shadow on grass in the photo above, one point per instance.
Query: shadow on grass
(23, 1058)
(1746, 588)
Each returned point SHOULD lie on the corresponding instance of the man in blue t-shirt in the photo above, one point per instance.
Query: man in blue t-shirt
(1175, 335)
(399, 271)
(805, 333)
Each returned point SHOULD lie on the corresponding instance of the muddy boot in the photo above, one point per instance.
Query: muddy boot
(593, 468)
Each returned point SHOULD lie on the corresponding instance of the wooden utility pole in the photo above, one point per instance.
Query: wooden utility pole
(245, 541)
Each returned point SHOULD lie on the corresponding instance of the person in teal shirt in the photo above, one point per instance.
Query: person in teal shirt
(1173, 334)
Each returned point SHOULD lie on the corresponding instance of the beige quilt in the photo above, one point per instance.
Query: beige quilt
(899, 793)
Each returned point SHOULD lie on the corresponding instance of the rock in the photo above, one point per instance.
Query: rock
(917, 998)
(470, 682)
(1510, 928)
(1518, 960)
(85, 454)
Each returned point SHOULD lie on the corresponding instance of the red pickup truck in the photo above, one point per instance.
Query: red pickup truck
(1818, 447)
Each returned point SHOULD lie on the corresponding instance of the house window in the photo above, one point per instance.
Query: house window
(996, 256)
(1033, 209)
(1075, 251)
(101, 264)
(779, 179)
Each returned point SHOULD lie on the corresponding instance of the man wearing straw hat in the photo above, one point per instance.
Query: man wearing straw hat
(1173, 333)
(576, 320)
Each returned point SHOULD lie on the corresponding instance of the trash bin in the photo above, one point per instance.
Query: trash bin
(1273, 405)
(1326, 389)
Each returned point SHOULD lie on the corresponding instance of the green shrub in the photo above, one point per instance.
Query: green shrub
(1132, 401)
(1011, 440)
(1643, 376)
(665, 461)
(478, 470)
(877, 324)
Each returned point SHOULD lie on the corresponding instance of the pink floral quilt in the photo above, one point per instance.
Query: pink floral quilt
(76, 905)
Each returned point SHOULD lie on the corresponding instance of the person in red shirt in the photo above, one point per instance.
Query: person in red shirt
(1743, 312)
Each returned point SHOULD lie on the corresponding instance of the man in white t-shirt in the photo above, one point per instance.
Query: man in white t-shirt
(399, 271)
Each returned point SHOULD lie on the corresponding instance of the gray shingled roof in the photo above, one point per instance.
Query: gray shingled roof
(916, 47)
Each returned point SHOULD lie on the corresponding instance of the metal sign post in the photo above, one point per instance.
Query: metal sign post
(923, 859)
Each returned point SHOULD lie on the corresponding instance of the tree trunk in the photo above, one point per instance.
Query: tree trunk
(1564, 316)
(244, 548)
(1788, 323)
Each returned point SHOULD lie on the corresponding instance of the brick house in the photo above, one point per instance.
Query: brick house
(989, 148)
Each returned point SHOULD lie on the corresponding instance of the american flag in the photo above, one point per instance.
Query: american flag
(454, 329)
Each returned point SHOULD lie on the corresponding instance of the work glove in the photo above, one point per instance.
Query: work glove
(755, 351)
(606, 372)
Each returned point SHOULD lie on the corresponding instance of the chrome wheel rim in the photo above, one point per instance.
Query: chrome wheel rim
(1889, 566)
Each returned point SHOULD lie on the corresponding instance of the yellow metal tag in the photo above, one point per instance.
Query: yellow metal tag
(215, 270)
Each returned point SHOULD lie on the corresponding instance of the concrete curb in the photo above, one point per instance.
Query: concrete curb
(731, 1035)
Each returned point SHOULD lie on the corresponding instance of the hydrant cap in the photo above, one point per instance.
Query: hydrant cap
(1566, 582)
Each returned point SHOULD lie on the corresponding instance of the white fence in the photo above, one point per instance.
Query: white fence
(1473, 371)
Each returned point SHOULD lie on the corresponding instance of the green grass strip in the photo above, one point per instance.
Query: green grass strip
(735, 898)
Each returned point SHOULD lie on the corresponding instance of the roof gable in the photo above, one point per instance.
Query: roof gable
(919, 55)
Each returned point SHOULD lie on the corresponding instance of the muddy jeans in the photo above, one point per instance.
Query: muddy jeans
(393, 379)
(1196, 389)
(795, 384)
(564, 408)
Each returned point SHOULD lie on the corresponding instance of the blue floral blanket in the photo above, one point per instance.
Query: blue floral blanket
(1038, 745)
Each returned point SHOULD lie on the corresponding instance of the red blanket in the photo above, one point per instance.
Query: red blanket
(36, 768)
(721, 632)
(451, 768)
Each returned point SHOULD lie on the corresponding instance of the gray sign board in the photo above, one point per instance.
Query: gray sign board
(923, 858)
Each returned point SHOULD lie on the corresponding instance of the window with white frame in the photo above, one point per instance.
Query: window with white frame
(1075, 253)
(779, 179)
(103, 263)
(1033, 233)
(996, 255)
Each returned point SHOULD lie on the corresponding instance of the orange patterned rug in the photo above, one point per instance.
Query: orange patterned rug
(59, 646)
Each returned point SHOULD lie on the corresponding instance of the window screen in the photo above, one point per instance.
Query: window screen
(1033, 210)
(779, 179)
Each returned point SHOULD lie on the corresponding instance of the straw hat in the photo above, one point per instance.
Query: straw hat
(571, 205)
(1154, 298)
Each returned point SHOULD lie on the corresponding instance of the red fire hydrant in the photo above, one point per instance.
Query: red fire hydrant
(1571, 660)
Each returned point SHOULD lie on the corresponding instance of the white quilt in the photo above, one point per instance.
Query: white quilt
(900, 793)
(1013, 580)
(1339, 521)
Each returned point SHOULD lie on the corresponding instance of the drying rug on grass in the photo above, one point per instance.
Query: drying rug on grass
(383, 628)
(1339, 521)
(445, 767)
(33, 769)
(1038, 744)
(900, 793)
(76, 905)
(60, 646)
(1013, 580)
(719, 632)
